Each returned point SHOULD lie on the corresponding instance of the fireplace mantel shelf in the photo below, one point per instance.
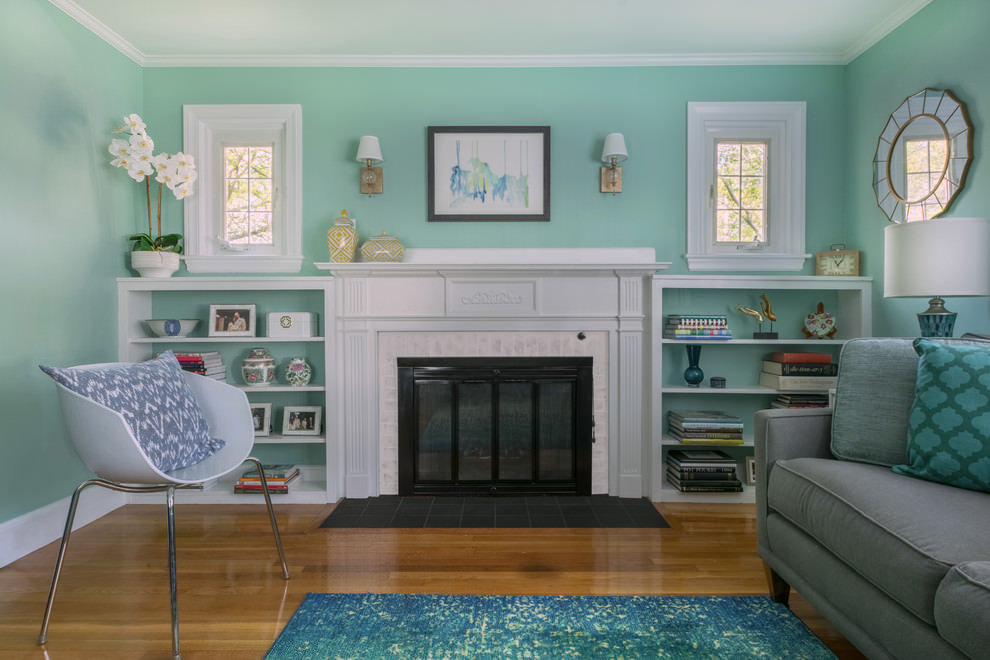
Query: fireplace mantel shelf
(502, 261)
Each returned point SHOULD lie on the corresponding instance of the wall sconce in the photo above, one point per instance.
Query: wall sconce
(613, 153)
(370, 153)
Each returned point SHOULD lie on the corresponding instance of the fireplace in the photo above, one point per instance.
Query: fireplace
(492, 426)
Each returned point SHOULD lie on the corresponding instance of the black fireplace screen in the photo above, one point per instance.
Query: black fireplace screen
(495, 425)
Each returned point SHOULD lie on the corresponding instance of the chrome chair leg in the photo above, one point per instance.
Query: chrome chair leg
(43, 636)
(271, 514)
(170, 515)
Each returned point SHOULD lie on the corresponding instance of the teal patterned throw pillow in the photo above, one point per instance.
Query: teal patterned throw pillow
(949, 424)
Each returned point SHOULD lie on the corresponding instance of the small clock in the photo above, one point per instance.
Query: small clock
(837, 261)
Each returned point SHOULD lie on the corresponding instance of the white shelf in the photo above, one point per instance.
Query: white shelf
(739, 359)
(279, 439)
(136, 300)
(224, 340)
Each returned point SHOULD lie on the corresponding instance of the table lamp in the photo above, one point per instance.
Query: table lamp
(935, 258)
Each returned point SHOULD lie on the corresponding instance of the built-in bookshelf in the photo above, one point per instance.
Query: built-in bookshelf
(738, 360)
(188, 297)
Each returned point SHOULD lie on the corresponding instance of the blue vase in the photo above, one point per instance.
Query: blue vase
(693, 374)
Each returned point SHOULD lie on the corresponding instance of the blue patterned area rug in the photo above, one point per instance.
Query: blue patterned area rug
(401, 626)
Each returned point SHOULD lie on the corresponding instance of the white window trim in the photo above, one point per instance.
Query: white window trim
(205, 127)
(783, 125)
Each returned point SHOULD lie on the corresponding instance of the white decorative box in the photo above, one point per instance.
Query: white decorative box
(292, 324)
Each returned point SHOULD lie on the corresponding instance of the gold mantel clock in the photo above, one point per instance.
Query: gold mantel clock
(837, 260)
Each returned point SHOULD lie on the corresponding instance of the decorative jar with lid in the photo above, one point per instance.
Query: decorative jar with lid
(258, 368)
(298, 372)
(382, 248)
(342, 239)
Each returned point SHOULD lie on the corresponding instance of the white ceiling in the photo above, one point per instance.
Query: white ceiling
(502, 32)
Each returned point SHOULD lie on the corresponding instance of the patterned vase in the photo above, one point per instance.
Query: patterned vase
(258, 368)
(382, 248)
(342, 239)
(298, 372)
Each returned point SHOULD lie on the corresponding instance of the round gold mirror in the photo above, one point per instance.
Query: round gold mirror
(922, 156)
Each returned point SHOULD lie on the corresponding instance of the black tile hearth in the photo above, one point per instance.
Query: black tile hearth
(498, 512)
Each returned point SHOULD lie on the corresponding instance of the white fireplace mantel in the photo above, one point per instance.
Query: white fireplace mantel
(454, 297)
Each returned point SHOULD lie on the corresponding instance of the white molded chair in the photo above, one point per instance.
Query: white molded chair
(106, 445)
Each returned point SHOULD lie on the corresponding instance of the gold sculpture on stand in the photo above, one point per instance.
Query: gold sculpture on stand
(765, 312)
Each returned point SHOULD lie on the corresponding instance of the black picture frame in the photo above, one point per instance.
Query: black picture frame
(515, 184)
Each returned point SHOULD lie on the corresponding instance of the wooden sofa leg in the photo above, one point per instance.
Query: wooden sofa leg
(780, 591)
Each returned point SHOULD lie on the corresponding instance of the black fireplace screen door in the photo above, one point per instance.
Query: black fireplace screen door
(495, 426)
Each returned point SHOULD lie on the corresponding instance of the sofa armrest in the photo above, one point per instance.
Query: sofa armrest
(786, 433)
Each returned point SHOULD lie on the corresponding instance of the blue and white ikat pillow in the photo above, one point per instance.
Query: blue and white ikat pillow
(156, 403)
(949, 423)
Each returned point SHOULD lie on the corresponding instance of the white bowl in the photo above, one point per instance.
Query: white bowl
(172, 327)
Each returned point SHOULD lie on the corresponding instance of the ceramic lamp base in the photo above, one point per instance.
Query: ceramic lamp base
(936, 321)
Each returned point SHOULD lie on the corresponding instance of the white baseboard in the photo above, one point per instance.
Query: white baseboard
(36, 529)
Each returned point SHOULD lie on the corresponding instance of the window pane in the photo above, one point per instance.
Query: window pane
(741, 195)
(249, 205)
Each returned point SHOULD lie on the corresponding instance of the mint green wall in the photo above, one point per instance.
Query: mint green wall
(943, 46)
(64, 89)
(648, 105)
(63, 214)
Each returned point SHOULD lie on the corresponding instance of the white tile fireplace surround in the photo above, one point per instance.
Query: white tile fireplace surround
(492, 303)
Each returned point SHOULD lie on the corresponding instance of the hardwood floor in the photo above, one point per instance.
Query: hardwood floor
(113, 602)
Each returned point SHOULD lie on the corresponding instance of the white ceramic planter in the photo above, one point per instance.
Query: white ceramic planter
(155, 264)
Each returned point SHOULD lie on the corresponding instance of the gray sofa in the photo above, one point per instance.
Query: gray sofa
(899, 565)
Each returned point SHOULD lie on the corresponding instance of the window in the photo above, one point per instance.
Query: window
(247, 213)
(925, 162)
(746, 186)
(741, 201)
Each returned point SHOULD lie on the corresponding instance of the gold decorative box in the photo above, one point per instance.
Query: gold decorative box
(382, 248)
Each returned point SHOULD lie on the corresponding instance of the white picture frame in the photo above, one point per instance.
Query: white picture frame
(750, 470)
(233, 321)
(301, 420)
(261, 417)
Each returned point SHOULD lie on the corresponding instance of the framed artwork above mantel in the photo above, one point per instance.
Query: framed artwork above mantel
(488, 173)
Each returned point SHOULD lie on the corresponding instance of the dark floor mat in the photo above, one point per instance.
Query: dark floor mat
(532, 511)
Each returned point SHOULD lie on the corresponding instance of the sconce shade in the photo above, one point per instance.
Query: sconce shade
(935, 258)
(942, 257)
(615, 147)
(369, 149)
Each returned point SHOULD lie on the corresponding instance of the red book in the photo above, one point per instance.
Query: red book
(802, 357)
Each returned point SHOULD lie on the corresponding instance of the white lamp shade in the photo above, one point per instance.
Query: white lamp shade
(368, 148)
(941, 257)
(615, 145)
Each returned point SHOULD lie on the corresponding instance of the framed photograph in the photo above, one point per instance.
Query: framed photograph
(301, 420)
(261, 416)
(481, 173)
(232, 321)
(751, 470)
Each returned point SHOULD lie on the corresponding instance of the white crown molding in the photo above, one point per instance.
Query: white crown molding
(493, 61)
(100, 29)
(891, 23)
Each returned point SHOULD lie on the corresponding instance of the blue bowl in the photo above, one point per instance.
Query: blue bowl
(172, 327)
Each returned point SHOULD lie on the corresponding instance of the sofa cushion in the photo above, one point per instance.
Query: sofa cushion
(892, 529)
(156, 403)
(962, 603)
(949, 425)
(881, 372)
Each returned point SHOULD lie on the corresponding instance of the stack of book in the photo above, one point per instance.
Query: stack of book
(209, 364)
(277, 476)
(702, 471)
(803, 370)
(809, 400)
(697, 326)
(705, 427)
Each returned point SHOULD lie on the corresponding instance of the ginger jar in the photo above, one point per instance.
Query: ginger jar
(342, 239)
(298, 372)
(382, 248)
(258, 368)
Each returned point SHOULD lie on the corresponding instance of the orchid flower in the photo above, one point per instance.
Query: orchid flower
(178, 173)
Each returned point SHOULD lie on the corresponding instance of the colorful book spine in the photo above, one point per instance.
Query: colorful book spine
(800, 368)
(801, 357)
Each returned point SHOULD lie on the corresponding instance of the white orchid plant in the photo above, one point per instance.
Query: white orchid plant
(177, 173)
